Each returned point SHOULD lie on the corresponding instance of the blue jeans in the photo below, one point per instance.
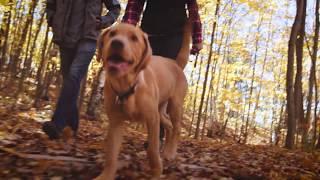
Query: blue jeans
(74, 66)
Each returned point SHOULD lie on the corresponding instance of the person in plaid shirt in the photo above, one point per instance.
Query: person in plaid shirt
(163, 21)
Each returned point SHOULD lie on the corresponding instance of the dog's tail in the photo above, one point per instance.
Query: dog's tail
(183, 55)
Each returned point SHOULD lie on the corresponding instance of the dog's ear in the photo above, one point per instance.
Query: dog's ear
(100, 43)
(146, 54)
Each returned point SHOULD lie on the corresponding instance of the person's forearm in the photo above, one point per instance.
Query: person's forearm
(114, 8)
(133, 11)
(111, 17)
(196, 22)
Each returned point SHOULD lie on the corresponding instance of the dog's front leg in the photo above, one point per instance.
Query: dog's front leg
(154, 145)
(112, 148)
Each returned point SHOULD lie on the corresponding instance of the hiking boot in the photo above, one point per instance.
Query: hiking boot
(51, 130)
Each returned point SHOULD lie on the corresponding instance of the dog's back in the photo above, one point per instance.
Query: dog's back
(163, 66)
(169, 76)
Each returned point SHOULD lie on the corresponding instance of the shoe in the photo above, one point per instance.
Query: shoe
(51, 130)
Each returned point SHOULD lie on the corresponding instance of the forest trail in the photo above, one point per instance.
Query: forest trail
(26, 153)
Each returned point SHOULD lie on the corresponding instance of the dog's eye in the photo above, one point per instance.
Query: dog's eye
(134, 38)
(112, 33)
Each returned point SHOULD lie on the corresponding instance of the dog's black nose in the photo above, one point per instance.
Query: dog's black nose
(117, 45)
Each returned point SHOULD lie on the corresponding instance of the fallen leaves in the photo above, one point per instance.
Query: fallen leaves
(26, 153)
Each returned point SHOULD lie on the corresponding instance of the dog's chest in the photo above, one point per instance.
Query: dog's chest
(130, 110)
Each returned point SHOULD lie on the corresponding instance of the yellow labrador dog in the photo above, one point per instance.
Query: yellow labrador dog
(139, 87)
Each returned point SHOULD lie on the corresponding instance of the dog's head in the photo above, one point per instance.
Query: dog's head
(123, 49)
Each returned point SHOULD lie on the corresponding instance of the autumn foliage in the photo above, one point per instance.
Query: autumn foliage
(253, 90)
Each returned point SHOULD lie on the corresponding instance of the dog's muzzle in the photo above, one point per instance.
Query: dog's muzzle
(116, 45)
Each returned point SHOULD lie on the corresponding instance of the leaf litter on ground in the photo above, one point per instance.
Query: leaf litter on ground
(26, 153)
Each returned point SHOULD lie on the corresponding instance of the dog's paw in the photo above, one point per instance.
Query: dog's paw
(167, 155)
(156, 173)
(169, 152)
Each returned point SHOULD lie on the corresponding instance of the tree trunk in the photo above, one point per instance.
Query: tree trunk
(195, 97)
(14, 32)
(82, 92)
(303, 126)
(33, 46)
(96, 93)
(6, 37)
(318, 144)
(316, 119)
(292, 119)
(18, 49)
(209, 97)
(189, 101)
(225, 124)
(207, 73)
(26, 62)
(41, 70)
(48, 80)
(266, 53)
(312, 79)
(278, 128)
(245, 134)
(213, 94)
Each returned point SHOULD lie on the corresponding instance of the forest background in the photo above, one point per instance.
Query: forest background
(255, 81)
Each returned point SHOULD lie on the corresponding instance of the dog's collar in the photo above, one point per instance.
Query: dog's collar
(123, 96)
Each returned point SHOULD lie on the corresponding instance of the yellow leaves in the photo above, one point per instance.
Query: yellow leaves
(3, 2)
(206, 4)
(251, 3)
(254, 5)
(238, 46)
(5, 5)
(259, 6)
(229, 98)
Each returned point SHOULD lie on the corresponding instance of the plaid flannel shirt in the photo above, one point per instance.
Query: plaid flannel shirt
(134, 9)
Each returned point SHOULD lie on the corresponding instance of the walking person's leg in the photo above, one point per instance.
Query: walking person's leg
(78, 70)
(53, 128)
(66, 113)
(66, 58)
(166, 46)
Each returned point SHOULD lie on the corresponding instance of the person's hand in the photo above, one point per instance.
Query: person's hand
(103, 22)
(196, 48)
(98, 22)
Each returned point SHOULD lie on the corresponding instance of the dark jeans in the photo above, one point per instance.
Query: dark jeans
(166, 46)
(74, 66)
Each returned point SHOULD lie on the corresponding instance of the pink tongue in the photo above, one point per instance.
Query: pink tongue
(118, 66)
